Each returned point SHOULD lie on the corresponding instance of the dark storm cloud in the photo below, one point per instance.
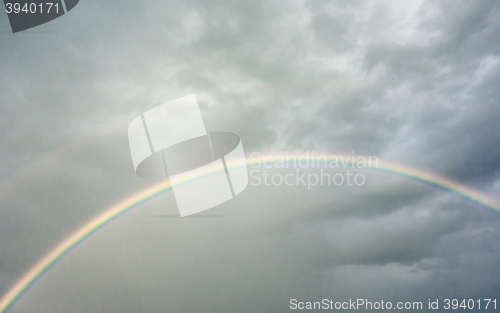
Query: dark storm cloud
(412, 82)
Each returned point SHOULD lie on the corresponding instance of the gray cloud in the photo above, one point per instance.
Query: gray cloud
(413, 83)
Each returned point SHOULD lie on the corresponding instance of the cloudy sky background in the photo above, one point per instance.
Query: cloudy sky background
(413, 82)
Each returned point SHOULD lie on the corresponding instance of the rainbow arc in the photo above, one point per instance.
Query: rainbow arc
(114, 212)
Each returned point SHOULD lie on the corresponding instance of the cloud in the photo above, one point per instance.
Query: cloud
(414, 83)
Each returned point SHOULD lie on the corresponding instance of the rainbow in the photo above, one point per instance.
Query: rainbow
(117, 210)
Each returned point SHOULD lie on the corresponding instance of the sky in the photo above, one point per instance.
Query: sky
(413, 83)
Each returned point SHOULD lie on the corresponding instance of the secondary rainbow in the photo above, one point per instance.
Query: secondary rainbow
(144, 196)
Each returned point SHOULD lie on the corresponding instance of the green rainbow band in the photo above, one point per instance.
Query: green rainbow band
(140, 198)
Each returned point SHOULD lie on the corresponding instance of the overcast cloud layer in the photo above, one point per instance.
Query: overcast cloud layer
(412, 82)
